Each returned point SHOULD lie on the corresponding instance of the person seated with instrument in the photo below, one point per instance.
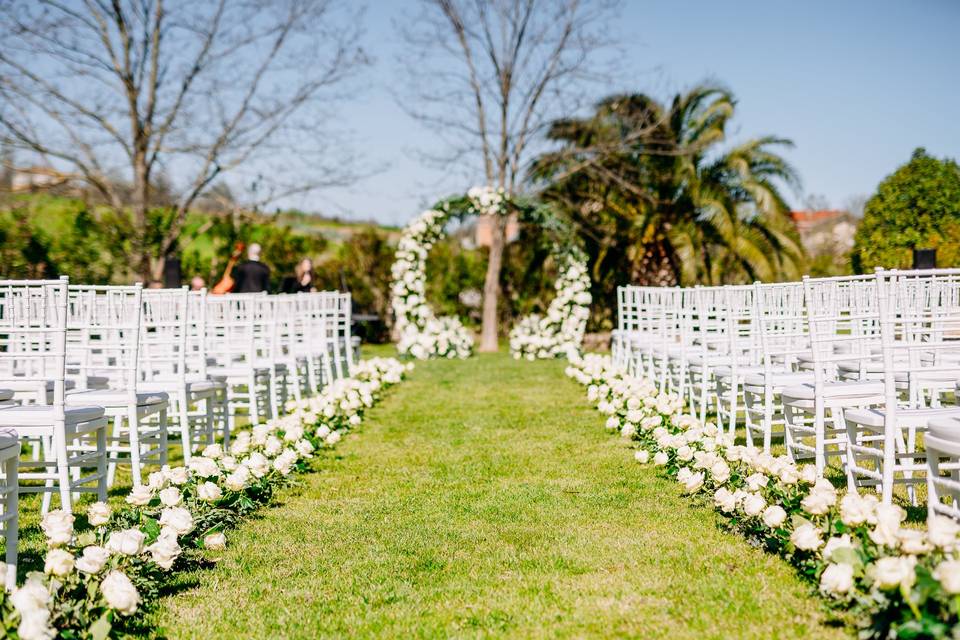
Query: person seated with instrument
(251, 276)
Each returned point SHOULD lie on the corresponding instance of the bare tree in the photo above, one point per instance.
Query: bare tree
(119, 91)
(489, 75)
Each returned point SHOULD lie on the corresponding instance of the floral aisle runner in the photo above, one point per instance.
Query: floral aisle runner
(898, 582)
(98, 580)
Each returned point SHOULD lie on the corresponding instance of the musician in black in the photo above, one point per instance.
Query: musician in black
(251, 276)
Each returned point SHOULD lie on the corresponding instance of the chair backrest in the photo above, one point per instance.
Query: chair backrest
(742, 344)
(230, 329)
(163, 334)
(105, 320)
(781, 323)
(711, 324)
(33, 337)
(842, 323)
(919, 314)
(195, 361)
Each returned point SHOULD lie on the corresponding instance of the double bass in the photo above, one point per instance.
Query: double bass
(226, 283)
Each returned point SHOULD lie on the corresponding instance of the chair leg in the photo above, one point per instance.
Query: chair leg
(12, 526)
(254, 398)
(186, 436)
(133, 424)
(101, 437)
(63, 468)
(164, 435)
(113, 451)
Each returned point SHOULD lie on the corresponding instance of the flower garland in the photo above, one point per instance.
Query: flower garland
(423, 335)
(96, 582)
(898, 582)
(560, 332)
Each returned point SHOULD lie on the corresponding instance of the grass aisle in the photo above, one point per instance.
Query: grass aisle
(484, 498)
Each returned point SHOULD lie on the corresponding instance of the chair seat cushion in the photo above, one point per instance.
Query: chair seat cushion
(945, 428)
(41, 415)
(114, 398)
(9, 439)
(905, 417)
(724, 371)
(778, 379)
(5, 394)
(234, 371)
(849, 389)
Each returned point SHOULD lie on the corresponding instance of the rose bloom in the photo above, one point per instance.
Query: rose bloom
(754, 504)
(894, 571)
(642, 456)
(913, 541)
(947, 573)
(806, 537)
(660, 458)
(204, 467)
(720, 471)
(818, 502)
(165, 550)
(836, 579)
(213, 451)
(170, 497)
(128, 542)
(178, 519)
(98, 514)
(93, 559)
(140, 496)
(808, 474)
(58, 563)
(855, 510)
(756, 481)
(693, 483)
(57, 525)
(774, 516)
(175, 475)
(120, 593)
(836, 542)
(215, 541)
(35, 625)
(725, 500)
(209, 492)
(942, 532)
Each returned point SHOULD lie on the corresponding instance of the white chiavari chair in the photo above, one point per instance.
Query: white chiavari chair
(781, 328)
(231, 343)
(33, 337)
(919, 314)
(742, 354)
(345, 319)
(842, 324)
(942, 444)
(108, 320)
(710, 342)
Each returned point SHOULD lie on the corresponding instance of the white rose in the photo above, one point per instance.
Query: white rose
(213, 451)
(806, 537)
(140, 496)
(273, 446)
(693, 482)
(642, 456)
(120, 593)
(725, 500)
(165, 550)
(613, 422)
(93, 559)
(175, 475)
(774, 516)
(754, 504)
(942, 532)
(215, 541)
(170, 497)
(128, 542)
(304, 448)
(789, 475)
(684, 453)
(32, 596)
(58, 563)
(229, 463)
(720, 471)
(660, 458)
(258, 464)
(333, 438)
(894, 571)
(855, 510)
(178, 519)
(204, 467)
(913, 541)
(808, 474)
(947, 573)
(756, 481)
(57, 525)
(209, 492)
(98, 514)
(836, 579)
(887, 518)
(818, 502)
(35, 625)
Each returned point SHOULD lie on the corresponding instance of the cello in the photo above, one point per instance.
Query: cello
(226, 283)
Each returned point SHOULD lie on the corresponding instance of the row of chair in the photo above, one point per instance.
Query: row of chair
(94, 377)
(853, 368)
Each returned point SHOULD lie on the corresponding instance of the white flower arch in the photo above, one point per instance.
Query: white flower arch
(422, 334)
(560, 331)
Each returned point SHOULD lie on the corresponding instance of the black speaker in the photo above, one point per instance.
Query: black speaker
(171, 273)
(924, 258)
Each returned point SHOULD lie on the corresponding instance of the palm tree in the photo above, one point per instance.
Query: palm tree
(659, 203)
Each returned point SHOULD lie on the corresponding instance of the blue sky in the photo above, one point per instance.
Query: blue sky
(856, 84)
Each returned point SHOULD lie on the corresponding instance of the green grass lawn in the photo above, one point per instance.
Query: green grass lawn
(483, 498)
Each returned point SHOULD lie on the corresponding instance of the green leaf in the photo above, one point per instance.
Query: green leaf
(100, 629)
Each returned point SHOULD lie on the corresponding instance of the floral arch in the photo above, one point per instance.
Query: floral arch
(423, 335)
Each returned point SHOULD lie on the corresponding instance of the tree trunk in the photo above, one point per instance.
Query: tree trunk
(491, 288)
